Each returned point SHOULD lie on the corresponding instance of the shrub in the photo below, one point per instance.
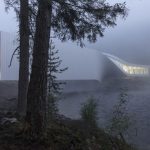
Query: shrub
(89, 112)
(52, 107)
(120, 120)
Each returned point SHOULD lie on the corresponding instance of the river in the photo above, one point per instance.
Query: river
(107, 93)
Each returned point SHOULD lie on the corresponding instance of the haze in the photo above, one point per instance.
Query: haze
(128, 40)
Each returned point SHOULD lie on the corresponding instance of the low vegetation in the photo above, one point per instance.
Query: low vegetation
(89, 112)
(62, 134)
(120, 121)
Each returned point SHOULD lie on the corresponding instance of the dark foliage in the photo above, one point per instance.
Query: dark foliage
(77, 19)
(63, 134)
(80, 19)
(54, 69)
(74, 20)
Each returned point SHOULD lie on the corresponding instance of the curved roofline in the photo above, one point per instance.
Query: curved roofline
(128, 68)
(122, 61)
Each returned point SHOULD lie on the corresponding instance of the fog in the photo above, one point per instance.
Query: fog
(83, 63)
(8, 19)
(128, 40)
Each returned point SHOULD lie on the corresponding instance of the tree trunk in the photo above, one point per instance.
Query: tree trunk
(24, 58)
(37, 91)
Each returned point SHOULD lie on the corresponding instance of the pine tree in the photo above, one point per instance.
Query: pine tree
(74, 20)
(54, 86)
(23, 18)
(54, 69)
(69, 19)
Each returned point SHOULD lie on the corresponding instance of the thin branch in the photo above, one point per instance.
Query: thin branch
(13, 56)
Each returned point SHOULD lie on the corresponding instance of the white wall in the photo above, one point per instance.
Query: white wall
(7, 47)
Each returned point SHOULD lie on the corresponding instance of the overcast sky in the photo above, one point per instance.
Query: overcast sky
(130, 39)
(8, 20)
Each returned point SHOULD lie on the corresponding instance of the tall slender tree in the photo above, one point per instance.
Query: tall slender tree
(37, 92)
(69, 19)
(24, 57)
(21, 8)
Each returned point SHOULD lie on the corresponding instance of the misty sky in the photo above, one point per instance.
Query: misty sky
(130, 39)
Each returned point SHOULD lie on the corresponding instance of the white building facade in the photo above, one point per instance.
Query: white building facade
(7, 46)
